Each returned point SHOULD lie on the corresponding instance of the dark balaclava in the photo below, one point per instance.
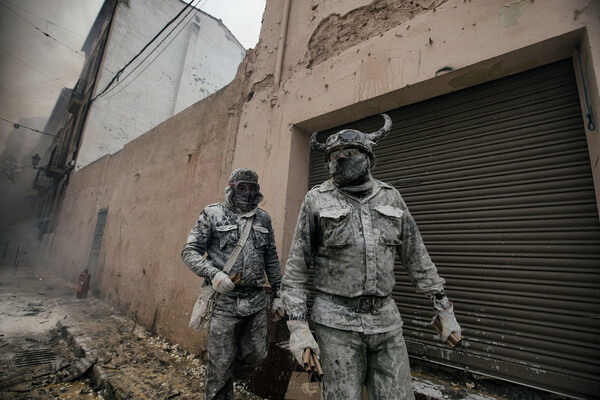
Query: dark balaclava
(243, 192)
(350, 171)
(349, 156)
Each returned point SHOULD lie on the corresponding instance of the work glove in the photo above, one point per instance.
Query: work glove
(444, 310)
(277, 304)
(221, 283)
(300, 339)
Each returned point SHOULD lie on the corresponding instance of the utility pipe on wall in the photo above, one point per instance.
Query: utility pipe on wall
(282, 39)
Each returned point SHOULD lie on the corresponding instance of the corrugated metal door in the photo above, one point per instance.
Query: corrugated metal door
(498, 179)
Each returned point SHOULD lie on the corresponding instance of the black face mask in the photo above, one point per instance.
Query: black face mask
(245, 201)
(350, 171)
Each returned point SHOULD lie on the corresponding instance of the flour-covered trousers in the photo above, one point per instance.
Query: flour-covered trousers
(351, 360)
(236, 347)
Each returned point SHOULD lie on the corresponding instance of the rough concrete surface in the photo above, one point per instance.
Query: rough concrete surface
(361, 24)
(55, 346)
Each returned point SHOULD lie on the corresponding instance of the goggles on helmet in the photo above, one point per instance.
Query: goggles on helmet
(240, 187)
(347, 153)
(352, 138)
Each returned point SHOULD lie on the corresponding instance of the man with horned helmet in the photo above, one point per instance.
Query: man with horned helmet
(237, 335)
(350, 228)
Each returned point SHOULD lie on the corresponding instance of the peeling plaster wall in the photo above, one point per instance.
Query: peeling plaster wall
(412, 52)
(336, 33)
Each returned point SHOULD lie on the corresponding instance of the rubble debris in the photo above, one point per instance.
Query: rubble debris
(20, 388)
(80, 367)
(124, 328)
(110, 362)
(58, 364)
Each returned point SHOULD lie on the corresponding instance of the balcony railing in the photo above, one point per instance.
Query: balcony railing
(57, 166)
(77, 94)
(42, 181)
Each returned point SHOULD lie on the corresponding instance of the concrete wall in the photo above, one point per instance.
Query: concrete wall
(154, 189)
(202, 58)
(388, 54)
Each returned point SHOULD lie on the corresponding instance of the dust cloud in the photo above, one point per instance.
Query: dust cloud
(40, 55)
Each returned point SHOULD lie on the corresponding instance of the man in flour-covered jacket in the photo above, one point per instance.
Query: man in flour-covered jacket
(349, 230)
(237, 336)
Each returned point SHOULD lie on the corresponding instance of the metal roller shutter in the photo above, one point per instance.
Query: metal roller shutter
(498, 179)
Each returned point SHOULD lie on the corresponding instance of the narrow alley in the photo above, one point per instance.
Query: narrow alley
(54, 345)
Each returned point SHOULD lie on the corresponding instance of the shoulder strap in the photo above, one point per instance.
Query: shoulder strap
(238, 247)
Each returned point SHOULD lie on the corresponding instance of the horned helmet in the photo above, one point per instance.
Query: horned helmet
(352, 138)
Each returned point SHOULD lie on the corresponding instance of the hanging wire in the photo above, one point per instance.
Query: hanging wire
(17, 126)
(44, 19)
(119, 72)
(122, 81)
(127, 83)
(588, 115)
(43, 32)
(53, 80)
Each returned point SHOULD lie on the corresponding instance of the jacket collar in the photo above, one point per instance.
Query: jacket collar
(328, 186)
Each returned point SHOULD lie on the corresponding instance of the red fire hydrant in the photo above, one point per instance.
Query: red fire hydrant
(83, 285)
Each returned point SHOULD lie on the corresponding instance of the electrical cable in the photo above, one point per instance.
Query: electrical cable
(119, 72)
(51, 79)
(45, 33)
(44, 19)
(145, 58)
(150, 63)
(154, 59)
(72, 75)
(141, 62)
(17, 126)
(31, 97)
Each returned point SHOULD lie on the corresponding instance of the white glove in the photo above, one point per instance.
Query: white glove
(447, 319)
(277, 304)
(300, 339)
(221, 283)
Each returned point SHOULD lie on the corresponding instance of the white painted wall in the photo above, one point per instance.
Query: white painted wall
(202, 59)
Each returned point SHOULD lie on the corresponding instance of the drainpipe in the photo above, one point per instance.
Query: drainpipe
(282, 39)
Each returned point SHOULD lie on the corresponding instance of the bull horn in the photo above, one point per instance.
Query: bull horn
(387, 127)
(316, 145)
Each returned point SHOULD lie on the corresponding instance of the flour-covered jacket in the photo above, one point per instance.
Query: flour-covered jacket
(216, 233)
(352, 243)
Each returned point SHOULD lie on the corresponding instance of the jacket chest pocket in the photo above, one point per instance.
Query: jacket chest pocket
(228, 235)
(336, 225)
(389, 221)
(261, 236)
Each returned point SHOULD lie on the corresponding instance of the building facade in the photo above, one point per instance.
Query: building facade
(193, 58)
(494, 147)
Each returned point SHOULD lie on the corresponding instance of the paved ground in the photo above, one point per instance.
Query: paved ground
(55, 346)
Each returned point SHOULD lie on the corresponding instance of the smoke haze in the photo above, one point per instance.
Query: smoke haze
(40, 42)
(33, 67)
